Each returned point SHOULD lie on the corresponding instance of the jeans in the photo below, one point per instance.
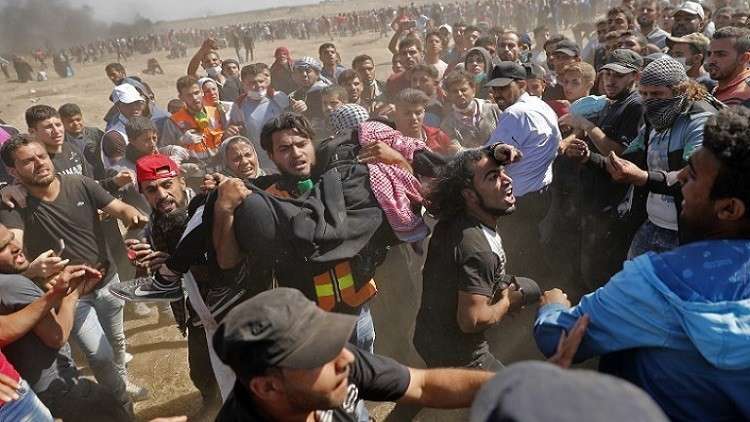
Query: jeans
(98, 330)
(653, 238)
(363, 335)
(85, 401)
(28, 408)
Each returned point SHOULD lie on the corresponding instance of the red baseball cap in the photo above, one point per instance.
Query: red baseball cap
(155, 167)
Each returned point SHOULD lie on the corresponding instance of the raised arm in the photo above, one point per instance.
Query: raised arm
(231, 193)
(130, 216)
(209, 44)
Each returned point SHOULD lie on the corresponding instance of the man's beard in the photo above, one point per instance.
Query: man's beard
(679, 30)
(13, 268)
(692, 230)
(167, 228)
(643, 21)
(38, 182)
(493, 211)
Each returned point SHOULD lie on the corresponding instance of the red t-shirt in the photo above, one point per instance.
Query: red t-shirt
(7, 369)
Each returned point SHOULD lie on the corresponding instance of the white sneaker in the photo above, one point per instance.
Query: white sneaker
(136, 392)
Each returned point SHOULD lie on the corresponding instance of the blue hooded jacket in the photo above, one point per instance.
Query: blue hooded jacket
(684, 318)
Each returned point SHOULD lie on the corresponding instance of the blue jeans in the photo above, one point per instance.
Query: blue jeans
(28, 408)
(653, 238)
(98, 330)
(363, 335)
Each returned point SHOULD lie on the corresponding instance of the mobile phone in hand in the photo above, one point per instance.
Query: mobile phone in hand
(60, 247)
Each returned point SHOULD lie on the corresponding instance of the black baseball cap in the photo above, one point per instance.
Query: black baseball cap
(534, 71)
(506, 72)
(623, 60)
(280, 328)
(568, 47)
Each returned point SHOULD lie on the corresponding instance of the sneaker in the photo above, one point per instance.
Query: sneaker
(136, 392)
(143, 289)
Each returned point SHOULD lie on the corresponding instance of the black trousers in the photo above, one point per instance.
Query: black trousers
(201, 371)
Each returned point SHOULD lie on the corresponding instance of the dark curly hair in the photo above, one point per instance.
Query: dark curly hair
(444, 198)
(727, 136)
(284, 121)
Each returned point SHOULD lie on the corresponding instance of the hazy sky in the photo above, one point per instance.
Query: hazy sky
(124, 10)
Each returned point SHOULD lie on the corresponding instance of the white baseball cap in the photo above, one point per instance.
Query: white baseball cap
(126, 94)
(692, 8)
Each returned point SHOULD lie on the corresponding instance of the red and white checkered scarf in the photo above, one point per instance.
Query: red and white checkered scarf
(395, 189)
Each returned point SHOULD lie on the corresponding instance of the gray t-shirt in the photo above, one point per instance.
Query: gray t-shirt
(41, 366)
(73, 217)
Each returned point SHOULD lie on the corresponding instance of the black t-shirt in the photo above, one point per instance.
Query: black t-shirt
(620, 121)
(70, 161)
(371, 377)
(459, 259)
(38, 364)
(72, 216)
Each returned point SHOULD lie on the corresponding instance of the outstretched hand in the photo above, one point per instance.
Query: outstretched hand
(624, 171)
(80, 278)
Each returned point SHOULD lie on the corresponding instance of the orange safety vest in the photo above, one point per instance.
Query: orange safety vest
(337, 284)
(212, 133)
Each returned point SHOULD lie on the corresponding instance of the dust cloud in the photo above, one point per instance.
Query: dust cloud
(26, 25)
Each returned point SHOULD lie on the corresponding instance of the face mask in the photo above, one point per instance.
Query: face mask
(661, 112)
(214, 72)
(256, 95)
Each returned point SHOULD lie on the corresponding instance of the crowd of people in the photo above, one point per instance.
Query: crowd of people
(255, 206)
(487, 14)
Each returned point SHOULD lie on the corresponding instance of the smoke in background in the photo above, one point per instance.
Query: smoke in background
(26, 25)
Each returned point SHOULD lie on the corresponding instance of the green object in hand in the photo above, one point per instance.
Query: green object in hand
(201, 118)
(304, 185)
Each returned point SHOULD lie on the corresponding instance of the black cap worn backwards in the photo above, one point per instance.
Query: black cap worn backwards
(506, 72)
(624, 61)
(280, 328)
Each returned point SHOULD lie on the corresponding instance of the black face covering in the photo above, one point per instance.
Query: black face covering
(662, 112)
